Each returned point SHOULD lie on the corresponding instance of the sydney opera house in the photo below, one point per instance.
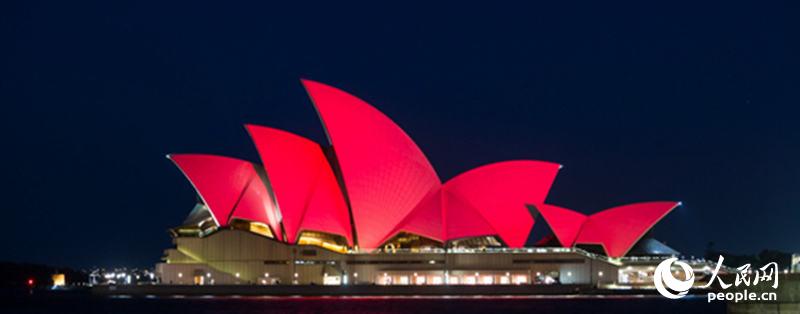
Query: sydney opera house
(368, 208)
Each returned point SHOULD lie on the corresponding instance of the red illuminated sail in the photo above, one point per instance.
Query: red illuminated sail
(230, 188)
(305, 188)
(500, 192)
(618, 229)
(385, 173)
(565, 223)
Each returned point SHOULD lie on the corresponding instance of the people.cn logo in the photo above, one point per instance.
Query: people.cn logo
(666, 283)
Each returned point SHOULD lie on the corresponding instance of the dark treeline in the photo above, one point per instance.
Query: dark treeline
(764, 257)
(18, 274)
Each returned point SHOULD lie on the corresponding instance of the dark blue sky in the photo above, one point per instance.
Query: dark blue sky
(693, 102)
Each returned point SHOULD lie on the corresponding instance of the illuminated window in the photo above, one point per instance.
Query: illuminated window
(332, 280)
(260, 228)
(410, 241)
(385, 280)
(403, 280)
(327, 241)
(58, 280)
(470, 280)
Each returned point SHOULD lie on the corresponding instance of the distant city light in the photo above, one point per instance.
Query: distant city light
(59, 280)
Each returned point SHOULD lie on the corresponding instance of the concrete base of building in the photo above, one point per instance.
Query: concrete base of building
(354, 290)
(368, 290)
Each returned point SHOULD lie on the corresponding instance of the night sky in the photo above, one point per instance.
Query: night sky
(638, 102)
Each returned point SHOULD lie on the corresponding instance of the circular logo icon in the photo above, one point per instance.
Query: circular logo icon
(666, 283)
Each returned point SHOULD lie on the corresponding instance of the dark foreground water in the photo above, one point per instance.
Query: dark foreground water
(357, 305)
